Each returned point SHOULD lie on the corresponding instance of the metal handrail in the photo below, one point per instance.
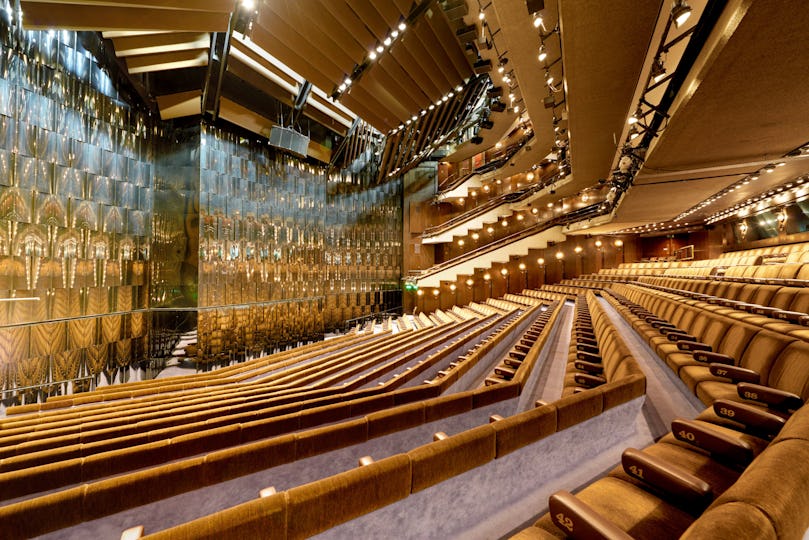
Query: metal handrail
(571, 217)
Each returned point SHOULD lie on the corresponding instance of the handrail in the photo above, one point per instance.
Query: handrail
(512, 197)
(450, 183)
(576, 215)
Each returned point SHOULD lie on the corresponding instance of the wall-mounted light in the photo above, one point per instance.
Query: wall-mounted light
(619, 243)
(743, 228)
(541, 261)
(598, 244)
(782, 217)
(560, 255)
(470, 282)
(543, 53)
(578, 250)
(504, 272)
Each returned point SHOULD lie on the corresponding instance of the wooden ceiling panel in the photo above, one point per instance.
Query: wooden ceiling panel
(350, 23)
(217, 6)
(425, 53)
(417, 70)
(166, 61)
(291, 57)
(399, 83)
(330, 40)
(152, 44)
(445, 36)
(42, 15)
(370, 17)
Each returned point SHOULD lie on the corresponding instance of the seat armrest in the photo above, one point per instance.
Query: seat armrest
(680, 336)
(682, 488)
(710, 357)
(578, 519)
(755, 419)
(735, 373)
(588, 357)
(589, 367)
(587, 341)
(586, 348)
(661, 324)
(791, 316)
(583, 379)
(765, 310)
(693, 346)
(722, 447)
(772, 397)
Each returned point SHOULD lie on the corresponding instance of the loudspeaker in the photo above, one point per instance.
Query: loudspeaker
(467, 33)
(290, 140)
(497, 106)
(476, 139)
(486, 124)
(482, 66)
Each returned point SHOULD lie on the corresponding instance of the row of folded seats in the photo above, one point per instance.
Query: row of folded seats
(736, 471)
(52, 449)
(712, 352)
(209, 453)
(570, 291)
(788, 273)
(507, 367)
(787, 251)
(700, 481)
(312, 508)
(463, 363)
(597, 353)
(776, 307)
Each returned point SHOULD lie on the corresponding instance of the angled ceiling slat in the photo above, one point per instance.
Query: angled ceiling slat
(325, 20)
(219, 6)
(370, 17)
(429, 61)
(400, 84)
(389, 13)
(329, 40)
(367, 111)
(150, 44)
(380, 82)
(449, 43)
(39, 16)
(405, 6)
(349, 21)
(415, 70)
(254, 78)
(290, 57)
(286, 42)
(371, 101)
(433, 44)
(165, 61)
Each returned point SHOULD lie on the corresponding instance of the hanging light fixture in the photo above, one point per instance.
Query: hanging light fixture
(658, 69)
(680, 12)
(635, 118)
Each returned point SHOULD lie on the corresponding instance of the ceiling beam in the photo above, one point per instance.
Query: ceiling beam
(43, 16)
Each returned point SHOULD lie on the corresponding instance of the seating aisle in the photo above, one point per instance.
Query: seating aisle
(667, 397)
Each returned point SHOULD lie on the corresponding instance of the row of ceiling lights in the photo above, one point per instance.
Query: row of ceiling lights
(372, 55)
(767, 169)
(780, 195)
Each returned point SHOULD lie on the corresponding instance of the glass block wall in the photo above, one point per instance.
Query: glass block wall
(75, 214)
(286, 251)
(127, 243)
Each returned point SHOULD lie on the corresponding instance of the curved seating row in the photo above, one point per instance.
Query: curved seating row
(699, 481)
(781, 309)
(533, 338)
(711, 352)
